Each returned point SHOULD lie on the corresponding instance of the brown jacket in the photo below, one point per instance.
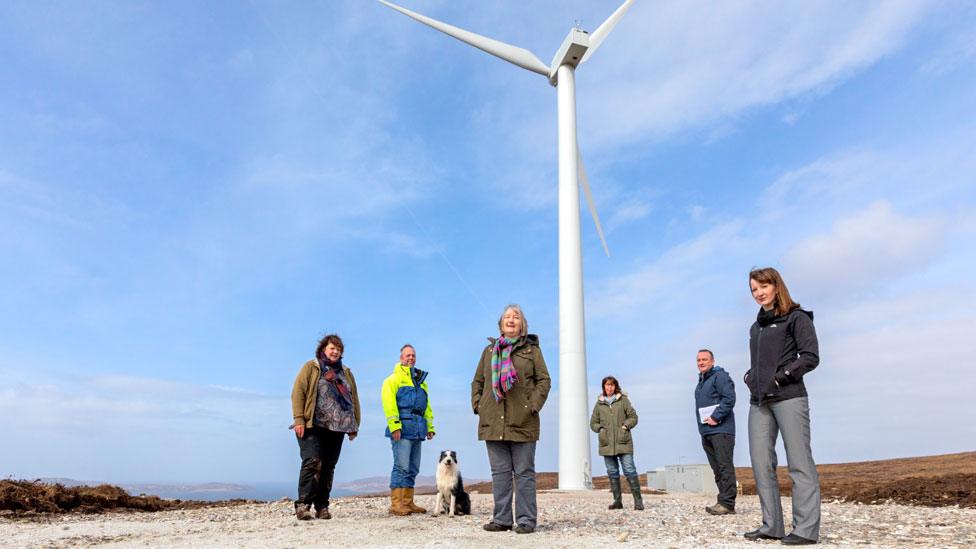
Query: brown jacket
(306, 389)
(516, 417)
(613, 424)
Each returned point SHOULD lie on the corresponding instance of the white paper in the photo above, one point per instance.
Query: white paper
(703, 413)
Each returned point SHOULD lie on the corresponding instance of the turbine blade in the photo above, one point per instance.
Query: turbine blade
(597, 37)
(513, 54)
(585, 183)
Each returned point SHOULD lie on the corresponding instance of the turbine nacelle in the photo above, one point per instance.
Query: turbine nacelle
(570, 53)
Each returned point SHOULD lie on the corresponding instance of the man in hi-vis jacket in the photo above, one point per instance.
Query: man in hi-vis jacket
(409, 421)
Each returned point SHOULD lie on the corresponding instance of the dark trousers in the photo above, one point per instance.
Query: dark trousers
(719, 449)
(320, 449)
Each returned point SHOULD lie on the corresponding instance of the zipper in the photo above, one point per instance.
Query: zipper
(755, 366)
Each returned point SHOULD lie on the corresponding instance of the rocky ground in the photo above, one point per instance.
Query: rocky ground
(567, 519)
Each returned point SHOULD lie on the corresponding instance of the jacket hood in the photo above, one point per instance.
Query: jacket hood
(529, 339)
(421, 375)
(603, 397)
(711, 371)
(766, 319)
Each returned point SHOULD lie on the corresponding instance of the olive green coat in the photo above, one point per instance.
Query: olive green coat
(612, 423)
(306, 389)
(516, 417)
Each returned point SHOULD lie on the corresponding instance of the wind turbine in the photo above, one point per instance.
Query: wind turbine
(574, 442)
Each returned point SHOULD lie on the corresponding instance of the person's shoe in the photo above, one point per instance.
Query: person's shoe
(301, 511)
(754, 535)
(634, 483)
(524, 529)
(615, 490)
(794, 539)
(495, 527)
(719, 509)
(397, 506)
(323, 514)
(408, 502)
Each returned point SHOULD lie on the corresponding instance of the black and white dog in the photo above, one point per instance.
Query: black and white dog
(450, 487)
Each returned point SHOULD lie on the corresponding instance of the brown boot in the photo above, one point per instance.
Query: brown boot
(408, 502)
(302, 511)
(396, 503)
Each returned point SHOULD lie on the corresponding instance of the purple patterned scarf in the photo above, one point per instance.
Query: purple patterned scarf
(332, 372)
(503, 374)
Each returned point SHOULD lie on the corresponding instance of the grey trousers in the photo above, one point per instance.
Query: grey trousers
(792, 418)
(508, 459)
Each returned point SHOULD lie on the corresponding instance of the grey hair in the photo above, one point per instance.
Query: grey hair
(407, 345)
(515, 307)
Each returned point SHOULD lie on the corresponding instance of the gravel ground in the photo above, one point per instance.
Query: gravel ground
(566, 519)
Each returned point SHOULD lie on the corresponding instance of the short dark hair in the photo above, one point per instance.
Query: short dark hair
(326, 339)
(405, 345)
(711, 354)
(611, 379)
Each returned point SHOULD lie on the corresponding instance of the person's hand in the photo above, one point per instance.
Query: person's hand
(624, 427)
(395, 435)
(711, 421)
(430, 435)
(352, 436)
(299, 430)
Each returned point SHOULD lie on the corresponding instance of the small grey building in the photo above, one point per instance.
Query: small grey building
(689, 478)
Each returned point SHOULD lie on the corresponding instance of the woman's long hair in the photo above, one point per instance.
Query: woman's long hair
(768, 275)
(603, 384)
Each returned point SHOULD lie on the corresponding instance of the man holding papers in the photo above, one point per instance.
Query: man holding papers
(714, 400)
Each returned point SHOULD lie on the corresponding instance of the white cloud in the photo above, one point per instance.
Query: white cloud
(677, 67)
(655, 280)
(864, 250)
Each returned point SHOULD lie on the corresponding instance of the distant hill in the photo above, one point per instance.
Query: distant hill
(937, 481)
(153, 487)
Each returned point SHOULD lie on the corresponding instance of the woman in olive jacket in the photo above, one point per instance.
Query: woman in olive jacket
(784, 349)
(509, 388)
(613, 418)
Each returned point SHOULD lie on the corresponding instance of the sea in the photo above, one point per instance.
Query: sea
(260, 491)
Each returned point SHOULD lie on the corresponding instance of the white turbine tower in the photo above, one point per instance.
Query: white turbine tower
(574, 442)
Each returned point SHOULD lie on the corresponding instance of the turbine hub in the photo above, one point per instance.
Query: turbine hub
(570, 53)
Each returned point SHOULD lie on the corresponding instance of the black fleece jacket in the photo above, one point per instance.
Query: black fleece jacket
(783, 349)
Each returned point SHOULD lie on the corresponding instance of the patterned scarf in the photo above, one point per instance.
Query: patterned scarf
(503, 374)
(332, 372)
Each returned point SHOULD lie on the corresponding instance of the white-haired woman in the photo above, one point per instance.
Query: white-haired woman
(510, 387)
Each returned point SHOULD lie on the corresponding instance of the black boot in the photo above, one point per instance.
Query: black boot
(615, 490)
(634, 483)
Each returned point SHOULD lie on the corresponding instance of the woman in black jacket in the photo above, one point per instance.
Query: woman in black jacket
(783, 348)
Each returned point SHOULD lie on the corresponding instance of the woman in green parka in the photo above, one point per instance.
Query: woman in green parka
(613, 418)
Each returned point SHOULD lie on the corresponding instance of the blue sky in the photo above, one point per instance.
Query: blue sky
(191, 194)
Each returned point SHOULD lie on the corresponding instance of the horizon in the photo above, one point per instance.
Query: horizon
(191, 195)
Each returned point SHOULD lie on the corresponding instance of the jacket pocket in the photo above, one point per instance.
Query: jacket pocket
(625, 437)
(519, 410)
(604, 438)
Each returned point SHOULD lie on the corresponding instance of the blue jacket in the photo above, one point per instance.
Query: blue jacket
(716, 387)
(406, 403)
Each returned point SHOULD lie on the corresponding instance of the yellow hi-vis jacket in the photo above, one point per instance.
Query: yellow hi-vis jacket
(406, 403)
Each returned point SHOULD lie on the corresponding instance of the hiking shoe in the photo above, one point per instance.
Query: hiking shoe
(524, 529)
(301, 511)
(323, 514)
(719, 509)
(495, 527)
